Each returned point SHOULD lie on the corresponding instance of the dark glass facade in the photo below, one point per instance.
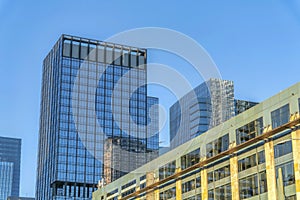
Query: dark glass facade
(10, 160)
(94, 120)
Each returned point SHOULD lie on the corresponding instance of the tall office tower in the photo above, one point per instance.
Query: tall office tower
(203, 108)
(94, 95)
(10, 160)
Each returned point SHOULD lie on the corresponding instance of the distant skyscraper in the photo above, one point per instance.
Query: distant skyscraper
(207, 106)
(10, 160)
(72, 157)
(242, 105)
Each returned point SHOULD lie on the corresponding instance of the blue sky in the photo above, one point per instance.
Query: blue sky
(254, 43)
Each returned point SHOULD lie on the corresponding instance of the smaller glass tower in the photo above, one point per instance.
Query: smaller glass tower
(10, 159)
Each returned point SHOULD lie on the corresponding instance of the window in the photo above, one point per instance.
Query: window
(118, 57)
(83, 50)
(191, 185)
(282, 149)
(218, 174)
(263, 182)
(280, 116)
(249, 131)
(67, 48)
(167, 170)
(188, 186)
(211, 195)
(125, 56)
(223, 192)
(100, 53)
(220, 193)
(133, 59)
(247, 162)
(143, 177)
(143, 185)
(222, 173)
(128, 184)
(190, 159)
(112, 192)
(287, 173)
(217, 146)
(168, 194)
(142, 59)
(128, 192)
(261, 157)
(109, 55)
(75, 49)
(248, 187)
(210, 177)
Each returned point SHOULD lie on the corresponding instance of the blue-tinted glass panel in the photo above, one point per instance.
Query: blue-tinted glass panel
(280, 116)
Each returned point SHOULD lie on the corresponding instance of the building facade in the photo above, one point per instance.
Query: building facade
(203, 108)
(254, 155)
(10, 161)
(94, 94)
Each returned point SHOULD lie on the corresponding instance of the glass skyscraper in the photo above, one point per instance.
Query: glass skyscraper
(10, 160)
(203, 108)
(94, 120)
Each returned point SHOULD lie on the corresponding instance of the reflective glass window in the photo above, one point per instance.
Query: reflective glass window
(280, 116)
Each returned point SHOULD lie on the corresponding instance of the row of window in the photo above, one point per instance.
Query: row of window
(279, 117)
(73, 191)
(72, 67)
(103, 54)
(249, 186)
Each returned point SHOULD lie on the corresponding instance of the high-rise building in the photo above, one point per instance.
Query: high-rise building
(94, 95)
(206, 106)
(203, 108)
(10, 160)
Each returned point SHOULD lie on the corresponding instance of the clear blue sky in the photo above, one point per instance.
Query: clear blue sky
(254, 43)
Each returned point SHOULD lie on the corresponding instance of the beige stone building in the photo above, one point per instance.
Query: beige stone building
(255, 155)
